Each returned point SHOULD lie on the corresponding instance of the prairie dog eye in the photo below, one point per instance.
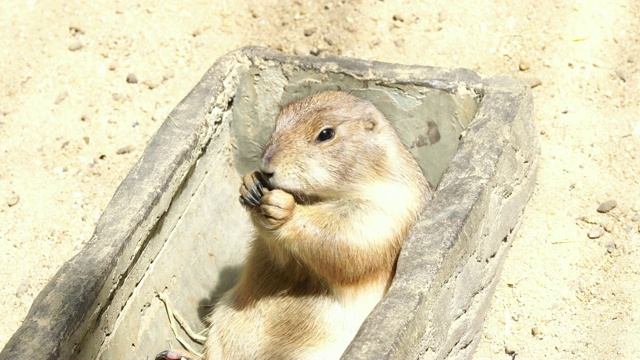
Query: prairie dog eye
(325, 134)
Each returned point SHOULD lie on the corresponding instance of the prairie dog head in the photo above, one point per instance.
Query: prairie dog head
(328, 145)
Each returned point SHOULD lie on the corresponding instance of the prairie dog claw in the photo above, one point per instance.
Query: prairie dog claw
(252, 189)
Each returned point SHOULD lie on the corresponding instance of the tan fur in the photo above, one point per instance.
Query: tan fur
(328, 233)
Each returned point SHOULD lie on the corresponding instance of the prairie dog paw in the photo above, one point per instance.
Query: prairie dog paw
(252, 189)
(277, 208)
(172, 355)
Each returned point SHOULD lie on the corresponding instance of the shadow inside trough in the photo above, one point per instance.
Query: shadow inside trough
(229, 276)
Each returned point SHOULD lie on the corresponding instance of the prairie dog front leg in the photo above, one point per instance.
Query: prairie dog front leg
(269, 209)
(276, 209)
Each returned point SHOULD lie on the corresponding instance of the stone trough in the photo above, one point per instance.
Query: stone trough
(175, 226)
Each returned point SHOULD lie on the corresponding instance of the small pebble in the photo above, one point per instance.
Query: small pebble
(442, 17)
(310, 31)
(530, 79)
(13, 200)
(607, 206)
(63, 95)
(596, 232)
(151, 84)
(510, 348)
(399, 43)
(132, 78)
(611, 247)
(124, 150)
(398, 17)
(623, 74)
(23, 288)
(301, 50)
(524, 65)
(609, 226)
(159, 114)
(353, 29)
(75, 46)
(113, 65)
(535, 331)
(75, 29)
(168, 74)
(85, 116)
(86, 139)
(636, 217)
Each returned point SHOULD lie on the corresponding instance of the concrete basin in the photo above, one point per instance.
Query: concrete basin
(175, 226)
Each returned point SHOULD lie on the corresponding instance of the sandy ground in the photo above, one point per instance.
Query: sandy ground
(73, 121)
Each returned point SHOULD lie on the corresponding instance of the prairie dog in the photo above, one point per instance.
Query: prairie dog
(332, 202)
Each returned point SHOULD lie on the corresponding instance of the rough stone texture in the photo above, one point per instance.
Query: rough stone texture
(450, 264)
(87, 286)
(175, 226)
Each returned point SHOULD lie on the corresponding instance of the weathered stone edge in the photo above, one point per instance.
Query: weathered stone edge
(81, 290)
(440, 244)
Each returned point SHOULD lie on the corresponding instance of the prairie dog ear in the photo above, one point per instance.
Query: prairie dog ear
(370, 124)
(374, 121)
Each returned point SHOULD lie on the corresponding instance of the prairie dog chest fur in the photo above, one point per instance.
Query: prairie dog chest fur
(332, 201)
